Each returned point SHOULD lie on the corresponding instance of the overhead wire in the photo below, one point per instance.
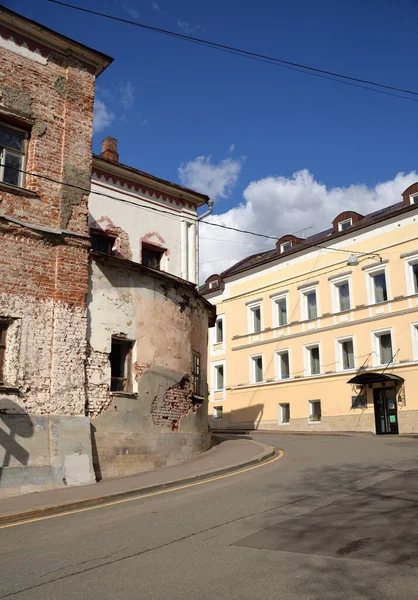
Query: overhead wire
(315, 71)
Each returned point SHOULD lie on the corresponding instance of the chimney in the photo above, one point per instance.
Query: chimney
(110, 149)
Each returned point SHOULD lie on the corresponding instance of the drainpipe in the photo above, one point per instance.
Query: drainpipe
(210, 204)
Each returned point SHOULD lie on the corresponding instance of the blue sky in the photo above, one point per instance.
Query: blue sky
(255, 126)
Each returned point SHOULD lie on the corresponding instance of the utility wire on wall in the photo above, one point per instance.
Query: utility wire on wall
(370, 85)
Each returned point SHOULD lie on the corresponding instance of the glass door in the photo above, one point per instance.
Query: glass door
(385, 411)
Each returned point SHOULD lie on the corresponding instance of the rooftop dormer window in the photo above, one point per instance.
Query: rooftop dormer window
(414, 199)
(343, 225)
(285, 246)
(213, 284)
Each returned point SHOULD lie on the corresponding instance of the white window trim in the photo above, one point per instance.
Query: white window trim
(213, 284)
(214, 342)
(252, 358)
(213, 387)
(281, 422)
(277, 369)
(214, 418)
(282, 246)
(339, 353)
(370, 286)
(411, 260)
(376, 348)
(304, 302)
(412, 197)
(335, 283)
(275, 309)
(250, 315)
(341, 223)
(307, 358)
(414, 340)
(310, 402)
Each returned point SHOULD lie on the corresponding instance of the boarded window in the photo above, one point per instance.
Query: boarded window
(120, 365)
(3, 332)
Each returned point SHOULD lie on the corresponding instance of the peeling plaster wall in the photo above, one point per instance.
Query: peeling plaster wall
(161, 227)
(158, 424)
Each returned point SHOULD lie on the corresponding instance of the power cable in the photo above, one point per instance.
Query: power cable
(323, 73)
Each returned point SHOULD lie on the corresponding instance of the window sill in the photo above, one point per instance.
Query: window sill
(284, 424)
(314, 422)
(124, 394)
(14, 189)
(8, 389)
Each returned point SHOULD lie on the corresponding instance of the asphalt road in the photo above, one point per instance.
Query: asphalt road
(336, 517)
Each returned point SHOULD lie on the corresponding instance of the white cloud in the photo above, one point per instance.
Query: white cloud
(280, 205)
(127, 96)
(231, 148)
(129, 8)
(102, 116)
(187, 28)
(156, 6)
(215, 180)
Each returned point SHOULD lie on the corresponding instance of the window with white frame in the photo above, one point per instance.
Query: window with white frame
(312, 360)
(341, 295)
(315, 413)
(345, 354)
(309, 304)
(284, 413)
(285, 246)
(414, 339)
(255, 318)
(282, 364)
(219, 378)
(257, 375)
(213, 284)
(377, 286)
(12, 154)
(343, 225)
(411, 273)
(280, 311)
(217, 412)
(413, 199)
(219, 330)
(383, 347)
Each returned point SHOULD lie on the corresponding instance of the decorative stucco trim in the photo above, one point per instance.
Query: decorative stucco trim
(338, 275)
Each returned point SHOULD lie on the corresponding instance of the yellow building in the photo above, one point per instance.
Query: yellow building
(321, 334)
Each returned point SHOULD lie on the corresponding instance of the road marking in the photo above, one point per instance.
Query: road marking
(141, 496)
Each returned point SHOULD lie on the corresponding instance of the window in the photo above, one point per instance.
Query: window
(219, 378)
(315, 414)
(343, 293)
(3, 333)
(414, 199)
(345, 354)
(255, 318)
(196, 375)
(411, 272)
(379, 288)
(219, 330)
(281, 312)
(385, 351)
(151, 256)
(12, 155)
(101, 242)
(285, 246)
(256, 369)
(414, 336)
(217, 412)
(120, 365)
(284, 413)
(213, 284)
(343, 225)
(312, 360)
(310, 305)
(282, 364)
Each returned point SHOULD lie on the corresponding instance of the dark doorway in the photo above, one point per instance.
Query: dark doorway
(385, 411)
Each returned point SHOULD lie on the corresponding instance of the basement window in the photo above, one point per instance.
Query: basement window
(12, 155)
(120, 365)
(151, 256)
(217, 412)
(3, 332)
(102, 242)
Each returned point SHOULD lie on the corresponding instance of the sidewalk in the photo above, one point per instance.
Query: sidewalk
(228, 455)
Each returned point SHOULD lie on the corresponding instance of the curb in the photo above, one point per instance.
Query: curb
(266, 453)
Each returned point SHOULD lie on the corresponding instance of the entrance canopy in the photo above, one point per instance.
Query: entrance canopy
(365, 378)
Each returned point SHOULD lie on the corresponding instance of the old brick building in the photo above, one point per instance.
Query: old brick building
(46, 114)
